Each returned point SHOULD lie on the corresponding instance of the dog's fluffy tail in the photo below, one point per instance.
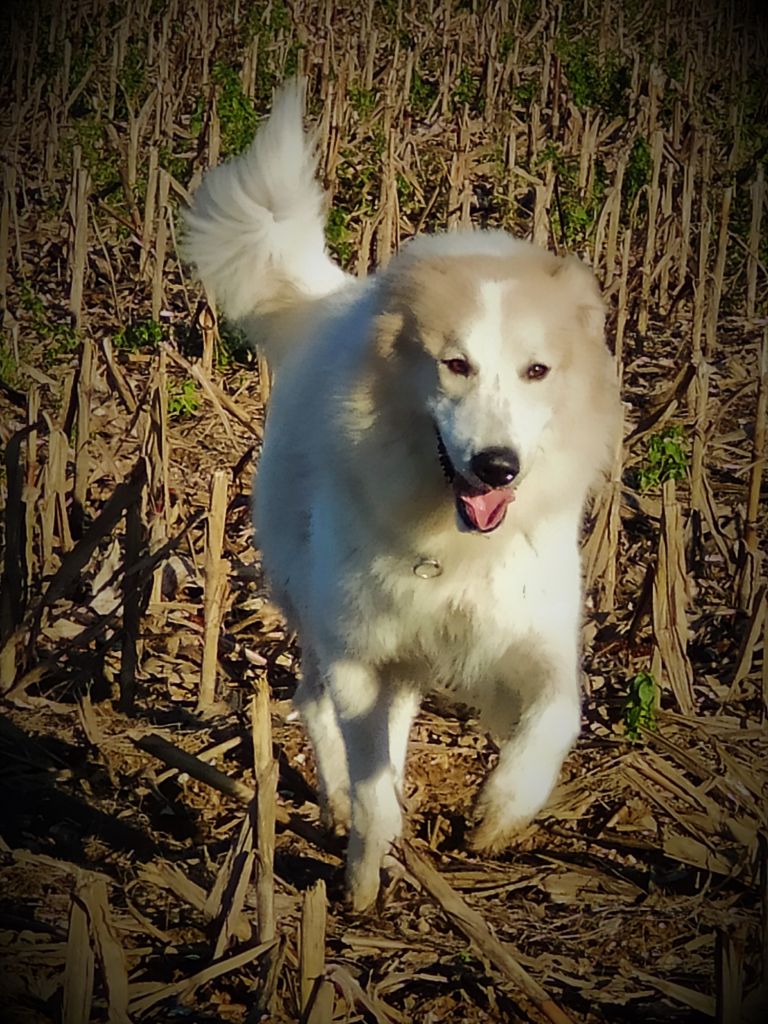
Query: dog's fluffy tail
(254, 230)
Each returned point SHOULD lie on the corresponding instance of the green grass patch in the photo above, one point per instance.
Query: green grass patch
(422, 95)
(466, 90)
(362, 101)
(640, 706)
(60, 336)
(237, 116)
(596, 81)
(140, 335)
(666, 458)
(339, 237)
(576, 210)
(638, 172)
(8, 368)
(234, 346)
(183, 399)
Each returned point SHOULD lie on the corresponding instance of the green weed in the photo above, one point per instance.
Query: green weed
(31, 303)
(139, 335)
(234, 347)
(183, 400)
(505, 45)
(8, 367)
(362, 101)
(197, 117)
(675, 62)
(278, 20)
(525, 92)
(666, 458)
(291, 63)
(133, 74)
(101, 159)
(640, 707)
(422, 95)
(576, 220)
(62, 339)
(466, 91)
(404, 189)
(83, 59)
(638, 172)
(465, 957)
(597, 81)
(577, 210)
(338, 235)
(177, 166)
(236, 113)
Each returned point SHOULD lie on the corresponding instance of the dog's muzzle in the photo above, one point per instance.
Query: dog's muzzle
(481, 502)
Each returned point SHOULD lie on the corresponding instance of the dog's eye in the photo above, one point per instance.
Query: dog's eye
(537, 371)
(461, 367)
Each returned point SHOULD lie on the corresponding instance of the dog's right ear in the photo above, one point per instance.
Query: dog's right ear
(583, 286)
(387, 331)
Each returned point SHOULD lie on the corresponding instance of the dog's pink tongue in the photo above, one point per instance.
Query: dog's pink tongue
(486, 510)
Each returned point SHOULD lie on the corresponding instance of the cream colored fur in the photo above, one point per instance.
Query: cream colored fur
(351, 501)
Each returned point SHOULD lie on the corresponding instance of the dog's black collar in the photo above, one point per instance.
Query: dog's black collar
(445, 460)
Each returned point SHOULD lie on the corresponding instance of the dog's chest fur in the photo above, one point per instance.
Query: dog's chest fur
(455, 628)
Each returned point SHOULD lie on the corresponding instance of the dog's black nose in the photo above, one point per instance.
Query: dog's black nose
(495, 467)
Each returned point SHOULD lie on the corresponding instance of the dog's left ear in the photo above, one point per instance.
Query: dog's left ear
(388, 329)
(585, 292)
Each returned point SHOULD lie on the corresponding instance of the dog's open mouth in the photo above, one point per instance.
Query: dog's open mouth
(480, 507)
(481, 510)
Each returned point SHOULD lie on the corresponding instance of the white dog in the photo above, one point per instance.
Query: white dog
(433, 434)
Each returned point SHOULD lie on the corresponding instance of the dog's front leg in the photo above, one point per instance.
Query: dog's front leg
(548, 721)
(315, 704)
(364, 706)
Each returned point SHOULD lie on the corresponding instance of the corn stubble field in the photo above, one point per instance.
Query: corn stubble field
(145, 678)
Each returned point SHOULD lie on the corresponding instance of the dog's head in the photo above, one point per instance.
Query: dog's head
(505, 350)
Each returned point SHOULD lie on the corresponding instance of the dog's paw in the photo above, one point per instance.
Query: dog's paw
(369, 857)
(336, 813)
(363, 883)
(494, 830)
(491, 838)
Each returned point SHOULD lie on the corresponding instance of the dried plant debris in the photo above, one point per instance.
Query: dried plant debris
(161, 854)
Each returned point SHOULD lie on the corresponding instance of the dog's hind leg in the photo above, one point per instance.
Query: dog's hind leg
(318, 713)
(371, 715)
(547, 726)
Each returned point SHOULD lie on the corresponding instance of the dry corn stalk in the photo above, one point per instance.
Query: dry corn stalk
(91, 930)
(13, 578)
(602, 547)
(78, 968)
(79, 254)
(266, 770)
(216, 571)
(751, 556)
(227, 899)
(130, 642)
(9, 202)
(206, 323)
(718, 273)
(758, 202)
(85, 387)
(53, 513)
(670, 597)
(164, 213)
(316, 990)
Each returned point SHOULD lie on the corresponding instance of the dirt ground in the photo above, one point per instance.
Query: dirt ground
(137, 881)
